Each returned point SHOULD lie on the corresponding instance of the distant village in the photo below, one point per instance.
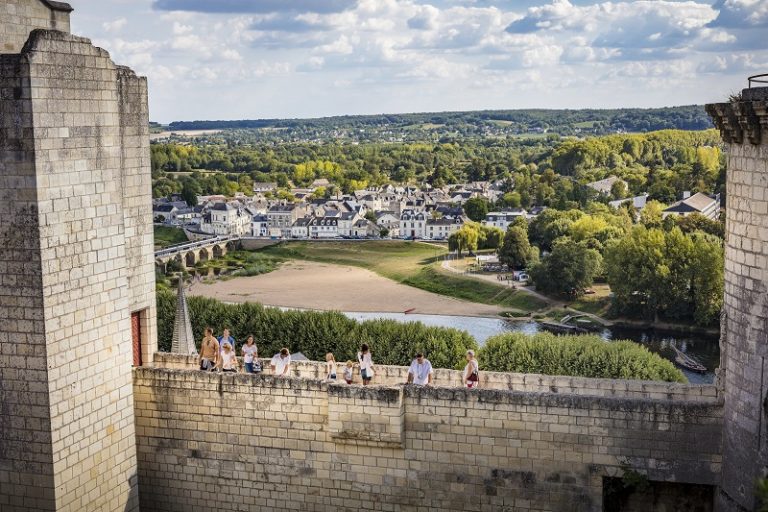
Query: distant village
(394, 212)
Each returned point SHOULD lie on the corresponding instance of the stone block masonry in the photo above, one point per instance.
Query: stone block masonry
(744, 346)
(241, 442)
(76, 263)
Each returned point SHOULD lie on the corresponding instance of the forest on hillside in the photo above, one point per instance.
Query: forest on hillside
(447, 126)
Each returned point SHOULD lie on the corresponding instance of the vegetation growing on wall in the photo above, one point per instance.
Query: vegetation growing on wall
(577, 356)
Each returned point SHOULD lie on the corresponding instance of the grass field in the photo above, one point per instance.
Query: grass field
(598, 303)
(412, 263)
(165, 236)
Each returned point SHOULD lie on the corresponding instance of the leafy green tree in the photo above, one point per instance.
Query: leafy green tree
(465, 239)
(515, 250)
(476, 208)
(568, 270)
(490, 238)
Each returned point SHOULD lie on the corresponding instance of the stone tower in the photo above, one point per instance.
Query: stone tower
(743, 124)
(76, 265)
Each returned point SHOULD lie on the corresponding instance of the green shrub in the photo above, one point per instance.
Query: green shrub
(578, 356)
(316, 332)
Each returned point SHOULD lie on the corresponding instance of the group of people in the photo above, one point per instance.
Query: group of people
(219, 354)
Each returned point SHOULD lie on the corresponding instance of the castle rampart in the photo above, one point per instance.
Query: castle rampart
(302, 444)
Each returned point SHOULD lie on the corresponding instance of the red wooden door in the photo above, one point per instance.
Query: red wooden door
(136, 335)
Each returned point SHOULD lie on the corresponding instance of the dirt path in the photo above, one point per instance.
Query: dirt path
(311, 285)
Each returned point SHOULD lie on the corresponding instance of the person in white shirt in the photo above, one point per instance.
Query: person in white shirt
(471, 371)
(250, 355)
(227, 360)
(366, 363)
(281, 363)
(420, 371)
(330, 367)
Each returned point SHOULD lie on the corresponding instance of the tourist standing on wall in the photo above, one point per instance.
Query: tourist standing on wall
(209, 351)
(366, 364)
(227, 361)
(250, 356)
(348, 372)
(471, 371)
(420, 371)
(281, 363)
(225, 337)
(330, 367)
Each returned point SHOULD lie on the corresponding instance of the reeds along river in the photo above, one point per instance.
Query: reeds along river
(705, 349)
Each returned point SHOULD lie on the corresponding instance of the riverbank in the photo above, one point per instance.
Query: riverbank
(331, 287)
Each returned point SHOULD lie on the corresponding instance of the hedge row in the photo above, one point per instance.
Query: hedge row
(314, 333)
(578, 356)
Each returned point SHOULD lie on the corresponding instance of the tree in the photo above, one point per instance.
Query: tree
(515, 251)
(651, 216)
(476, 208)
(490, 237)
(654, 272)
(464, 239)
(190, 189)
(619, 190)
(568, 270)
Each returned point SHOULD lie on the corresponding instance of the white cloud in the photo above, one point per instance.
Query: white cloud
(114, 25)
(451, 54)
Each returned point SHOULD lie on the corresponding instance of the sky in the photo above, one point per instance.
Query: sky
(250, 59)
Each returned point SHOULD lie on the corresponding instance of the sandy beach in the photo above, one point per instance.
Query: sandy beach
(322, 286)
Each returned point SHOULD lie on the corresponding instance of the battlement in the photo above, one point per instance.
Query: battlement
(387, 375)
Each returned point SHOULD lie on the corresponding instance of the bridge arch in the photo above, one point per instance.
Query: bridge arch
(219, 250)
(190, 258)
(203, 255)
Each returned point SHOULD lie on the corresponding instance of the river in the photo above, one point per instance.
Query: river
(704, 349)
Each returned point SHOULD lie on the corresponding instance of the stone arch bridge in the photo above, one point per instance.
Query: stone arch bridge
(189, 254)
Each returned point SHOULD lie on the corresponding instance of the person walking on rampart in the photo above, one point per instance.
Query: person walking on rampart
(365, 359)
(227, 360)
(209, 350)
(250, 356)
(330, 367)
(471, 371)
(420, 371)
(348, 369)
(225, 337)
(281, 363)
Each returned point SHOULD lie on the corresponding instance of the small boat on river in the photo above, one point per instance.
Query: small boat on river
(685, 361)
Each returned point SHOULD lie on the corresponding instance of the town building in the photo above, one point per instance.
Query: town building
(324, 227)
(281, 218)
(708, 206)
(226, 219)
(300, 228)
(605, 186)
(260, 225)
(413, 224)
(441, 229)
(504, 218)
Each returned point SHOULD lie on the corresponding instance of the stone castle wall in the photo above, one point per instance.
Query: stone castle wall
(301, 444)
(744, 345)
(20, 16)
(77, 261)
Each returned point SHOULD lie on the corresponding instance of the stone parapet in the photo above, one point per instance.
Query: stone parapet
(388, 375)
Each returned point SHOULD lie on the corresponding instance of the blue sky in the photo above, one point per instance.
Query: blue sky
(235, 59)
